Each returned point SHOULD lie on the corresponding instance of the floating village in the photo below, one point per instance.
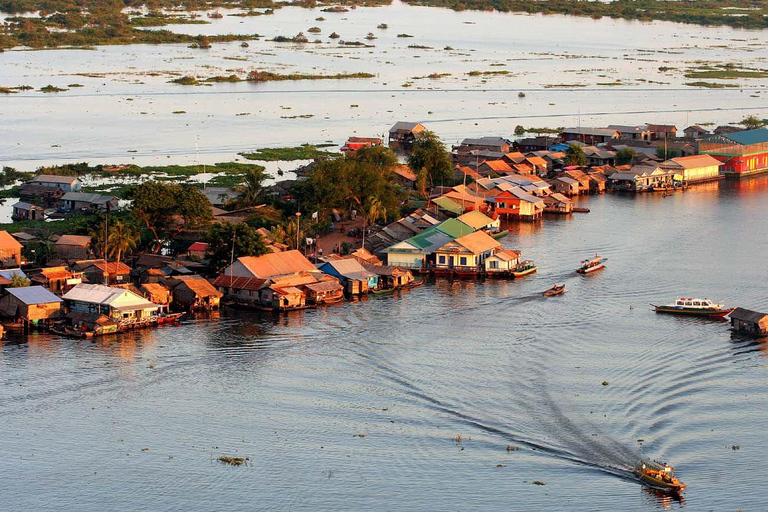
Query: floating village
(99, 283)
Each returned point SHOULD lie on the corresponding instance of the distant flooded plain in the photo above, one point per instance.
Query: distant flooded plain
(360, 406)
(571, 71)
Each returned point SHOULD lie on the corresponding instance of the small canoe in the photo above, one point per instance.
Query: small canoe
(384, 291)
(555, 290)
(171, 318)
(500, 234)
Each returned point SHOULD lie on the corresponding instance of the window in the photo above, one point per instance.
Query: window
(441, 260)
(463, 261)
(697, 303)
(493, 264)
(687, 303)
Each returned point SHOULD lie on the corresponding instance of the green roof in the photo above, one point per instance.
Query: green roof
(449, 205)
(455, 228)
(748, 137)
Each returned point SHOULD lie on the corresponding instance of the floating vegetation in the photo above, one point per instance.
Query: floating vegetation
(300, 116)
(266, 76)
(563, 86)
(710, 85)
(382, 26)
(233, 461)
(185, 80)
(511, 448)
(75, 85)
(179, 112)
(314, 30)
(306, 152)
(539, 482)
(334, 35)
(51, 88)
(605, 383)
(521, 95)
(419, 47)
(404, 35)
(7, 90)
(726, 74)
(735, 447)
(488, 73)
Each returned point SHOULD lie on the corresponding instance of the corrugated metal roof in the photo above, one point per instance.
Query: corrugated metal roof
(748, 137)
(100, 294)
(33, 295)
(475, 219)
(50, 178)
(448, 204)
(200, 286)
(455, 228)
(10, 272)
(77, 240)
(747, 315)
(478, 242)
(277, 264)
(8, 242)
(350, 268)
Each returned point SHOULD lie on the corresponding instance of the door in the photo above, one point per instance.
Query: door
(450, 261)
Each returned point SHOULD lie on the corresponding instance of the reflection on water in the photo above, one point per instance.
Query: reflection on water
(374, 392)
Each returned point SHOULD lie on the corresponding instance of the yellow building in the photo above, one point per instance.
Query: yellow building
(467, 252)
(692, 169)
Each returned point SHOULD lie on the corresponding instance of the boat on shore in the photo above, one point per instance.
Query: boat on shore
(695, 307)
(592, 265)
(524, 268)
(555, 290)
(659, 475)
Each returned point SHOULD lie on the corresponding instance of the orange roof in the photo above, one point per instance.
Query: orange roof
(56, 273)
(200, 286)
(498, 165)
(78, 240)
(507, 255)
(477, 242)
(277, 264)
(469, 172)
(240, 283)
(112, 267)
(515, 156)
(692, 162)
(405, 172)
(8, 242)
(294, 280)
(537, 161)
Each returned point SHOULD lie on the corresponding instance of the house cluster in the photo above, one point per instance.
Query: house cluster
(466, 245)
(79, 294)
(47, 195)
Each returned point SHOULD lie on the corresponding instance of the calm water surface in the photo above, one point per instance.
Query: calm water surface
(357, 407)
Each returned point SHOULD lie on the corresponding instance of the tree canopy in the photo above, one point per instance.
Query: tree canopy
(429, 153)
(247, 242)
(158, 206)
(574, 155)
(625, 156)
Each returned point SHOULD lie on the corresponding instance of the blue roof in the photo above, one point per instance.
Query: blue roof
(748, 137)
(9, 273)
(33, 295)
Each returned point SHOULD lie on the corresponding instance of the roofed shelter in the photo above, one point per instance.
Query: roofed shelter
(749, 322)
(743, 153)
(30, 304)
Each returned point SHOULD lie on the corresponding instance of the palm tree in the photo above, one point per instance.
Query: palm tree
(249, 192)
(376, 210)
(122, 239)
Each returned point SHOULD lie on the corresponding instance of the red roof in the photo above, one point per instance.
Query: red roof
(198, 247)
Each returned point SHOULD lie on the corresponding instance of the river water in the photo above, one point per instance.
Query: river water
(358, 406)
(572, 71)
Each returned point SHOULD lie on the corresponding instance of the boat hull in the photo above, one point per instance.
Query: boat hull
(523, 273)
(589, 270)
(660, 484)
(554, 291)
(673, 310)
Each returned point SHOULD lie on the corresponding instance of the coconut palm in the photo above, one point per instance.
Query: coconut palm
(249, 192)
(122, 239)
(375, 211)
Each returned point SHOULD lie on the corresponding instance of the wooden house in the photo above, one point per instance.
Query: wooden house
(197, 250)
(494, 167)
(102, 271)
(57, 280)
(558, 203)
(157, 293)
(589, 135)
(581, 177)
(355, 278)
(478, 221)
(270, 265)
(695, 132)
(403, 134)
(693, 169)
(597, 181)
(566, 185)
(23, 211)
(31, 305)
(89, 203)
(353, 144)
(324, 292)
(662, 131)
(516, 203)
(10, 251)
(467, 253)
(416, 252)
(502, 262)
(405, 176)
(65, 183)
(749, 322)
(121, 305)
(637, 132)
(391, 277)
(194, 293)
(244, 291)
(39, 194)
(72, 247)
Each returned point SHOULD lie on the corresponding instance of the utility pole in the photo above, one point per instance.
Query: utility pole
(298, 232)
(106, 246)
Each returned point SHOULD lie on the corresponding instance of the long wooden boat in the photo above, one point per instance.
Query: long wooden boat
(555, 290)
(659, 475)
(500, 234)
(695, 307)
(524, 268)
(169, 318)
(592, 265)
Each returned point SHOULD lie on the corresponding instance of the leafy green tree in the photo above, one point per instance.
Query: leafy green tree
(374, 210)
(222, 237)
(574, 155)
(166, 209)
(519, 130)
(666, 153)
(429, 153)
(625, 156)
(751, 123)
(18, 281)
